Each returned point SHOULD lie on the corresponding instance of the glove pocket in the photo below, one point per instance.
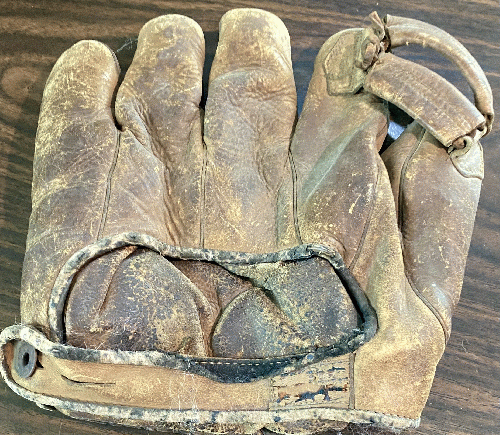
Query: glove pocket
(293, 307)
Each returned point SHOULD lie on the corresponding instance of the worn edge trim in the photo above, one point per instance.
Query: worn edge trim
(124, 414)
(169, 360)
(63, 282)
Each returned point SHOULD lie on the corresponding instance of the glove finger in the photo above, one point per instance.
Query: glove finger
(158, 102)
(77, 96)
(81, 83)
(436, 195)
(74, 152)
(250, 113)
(337, 172)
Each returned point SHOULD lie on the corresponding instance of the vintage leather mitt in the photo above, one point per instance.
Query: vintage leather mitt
(232, 269)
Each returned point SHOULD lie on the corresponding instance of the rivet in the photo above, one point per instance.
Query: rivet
(25, 357)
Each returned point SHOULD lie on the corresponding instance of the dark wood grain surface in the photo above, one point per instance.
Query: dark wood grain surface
(465, 397)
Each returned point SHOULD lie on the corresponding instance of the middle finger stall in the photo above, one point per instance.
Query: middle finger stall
(250, 113)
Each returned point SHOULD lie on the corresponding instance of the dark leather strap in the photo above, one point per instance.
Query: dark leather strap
(428, 98)
(403, 31)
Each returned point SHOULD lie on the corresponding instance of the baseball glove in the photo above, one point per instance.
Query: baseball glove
(232, 268)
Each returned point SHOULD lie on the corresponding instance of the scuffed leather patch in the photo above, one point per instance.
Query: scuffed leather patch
(343, 75)
(325, 384)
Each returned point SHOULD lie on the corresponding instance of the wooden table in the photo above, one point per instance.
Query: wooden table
(466, 392)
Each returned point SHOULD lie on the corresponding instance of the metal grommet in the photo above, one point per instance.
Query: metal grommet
(25, 358)
(466, 143)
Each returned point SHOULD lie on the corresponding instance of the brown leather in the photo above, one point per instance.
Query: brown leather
(403, 31)
(106, 384)
(241, 239)
(458, 192)
(425, 96)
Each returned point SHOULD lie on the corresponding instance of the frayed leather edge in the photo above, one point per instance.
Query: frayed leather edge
(190, 418)
(78, 260)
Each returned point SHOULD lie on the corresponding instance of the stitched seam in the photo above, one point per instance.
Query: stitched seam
(367, 223)
(238, 364)
(427, 303)
(352, 393)
(113, 275)
(294, 198)
(402, 183)
(107, 197)
(203, 193)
